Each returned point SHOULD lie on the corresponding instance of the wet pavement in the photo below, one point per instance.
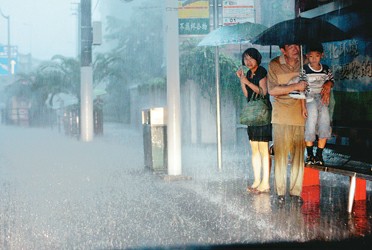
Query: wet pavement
(57, 192)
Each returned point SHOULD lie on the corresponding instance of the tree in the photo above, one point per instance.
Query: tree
(197, 64)
(60, 75)
(136, 57)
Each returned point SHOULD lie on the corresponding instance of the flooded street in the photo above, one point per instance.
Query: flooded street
(88, 88)
(57, 192)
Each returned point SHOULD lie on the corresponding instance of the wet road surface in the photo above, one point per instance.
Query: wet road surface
(59, 193)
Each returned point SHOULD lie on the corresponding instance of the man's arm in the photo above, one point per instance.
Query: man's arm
(276, 90)
(304, 108)
(326, 92)
(326, 88)
(286, 89)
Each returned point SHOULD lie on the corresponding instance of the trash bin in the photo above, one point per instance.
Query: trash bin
(71, 120)
(98, 116)
(155, 138)
(97, 121)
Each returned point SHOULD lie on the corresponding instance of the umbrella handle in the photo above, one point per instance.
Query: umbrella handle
(301, 61)
(302, 71)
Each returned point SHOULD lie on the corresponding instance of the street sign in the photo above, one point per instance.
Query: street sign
(238, 11)
(193, 17)
(4, 60)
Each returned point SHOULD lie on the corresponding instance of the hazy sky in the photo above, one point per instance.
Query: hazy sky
(42, 27)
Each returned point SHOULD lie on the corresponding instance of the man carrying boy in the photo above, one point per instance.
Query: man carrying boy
(315, 108)
(288, 122)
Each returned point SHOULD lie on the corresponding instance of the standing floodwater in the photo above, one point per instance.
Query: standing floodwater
(60, 193)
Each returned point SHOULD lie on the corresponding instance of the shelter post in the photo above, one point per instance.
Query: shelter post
(173, 88)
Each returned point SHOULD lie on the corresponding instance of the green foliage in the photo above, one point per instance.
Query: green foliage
(136, 57)
(156, 84)
(61, 74)
(198, 64)
(109, 67)
(137, 52)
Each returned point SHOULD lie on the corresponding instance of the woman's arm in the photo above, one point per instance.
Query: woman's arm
(240, 75)
(263, 85)
(244, 89)
(246, 82)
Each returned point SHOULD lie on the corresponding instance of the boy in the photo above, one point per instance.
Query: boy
(315, 108)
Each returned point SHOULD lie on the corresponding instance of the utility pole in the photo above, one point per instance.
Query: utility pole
(9, 48)
(77, 11)
(218, 98)
(86, 81)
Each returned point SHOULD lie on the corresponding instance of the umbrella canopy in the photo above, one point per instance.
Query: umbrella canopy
(232, 34)
(300, 31)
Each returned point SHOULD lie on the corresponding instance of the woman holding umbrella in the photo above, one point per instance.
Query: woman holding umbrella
(259, 136)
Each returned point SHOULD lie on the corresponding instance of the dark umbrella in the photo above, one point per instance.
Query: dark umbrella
(300, 31)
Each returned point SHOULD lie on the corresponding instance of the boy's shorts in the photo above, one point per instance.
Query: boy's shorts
(318, 120)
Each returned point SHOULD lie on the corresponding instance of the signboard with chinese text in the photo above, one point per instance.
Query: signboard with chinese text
(238, 11)
(350, 61)
(193, 17)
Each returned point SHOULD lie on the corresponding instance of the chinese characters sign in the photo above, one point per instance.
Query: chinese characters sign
(351, 65)
(193, 17)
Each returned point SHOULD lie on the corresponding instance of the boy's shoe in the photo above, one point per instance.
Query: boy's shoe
(310, 160)
(319, 160)
(297, 199)
(281, 199)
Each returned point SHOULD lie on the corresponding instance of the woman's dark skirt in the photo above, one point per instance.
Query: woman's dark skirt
(260, 133)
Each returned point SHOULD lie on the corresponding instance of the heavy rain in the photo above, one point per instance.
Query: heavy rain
(120, 128)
